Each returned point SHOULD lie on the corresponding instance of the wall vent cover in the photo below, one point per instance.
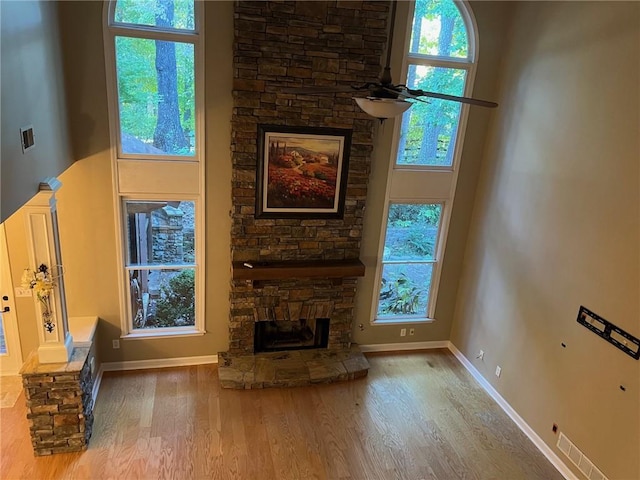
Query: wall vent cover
(579, 459)
(26, 138)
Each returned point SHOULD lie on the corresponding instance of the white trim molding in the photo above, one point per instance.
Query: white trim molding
(158, 363)
(43, 246)
(96, 385)
(555, 460)
(401, 347)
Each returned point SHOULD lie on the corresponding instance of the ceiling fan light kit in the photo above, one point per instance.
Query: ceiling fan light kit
(382, 108)
(385, 99)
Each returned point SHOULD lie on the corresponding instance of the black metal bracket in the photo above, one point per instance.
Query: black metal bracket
(612, 334)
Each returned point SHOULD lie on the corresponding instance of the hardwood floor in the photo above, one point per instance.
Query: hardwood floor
(416, 416)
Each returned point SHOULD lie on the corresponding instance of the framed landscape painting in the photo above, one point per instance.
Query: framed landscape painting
(302, 172)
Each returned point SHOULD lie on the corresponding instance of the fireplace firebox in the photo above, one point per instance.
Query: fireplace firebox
(276, 335)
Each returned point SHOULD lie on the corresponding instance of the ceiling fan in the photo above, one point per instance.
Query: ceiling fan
(385, 99)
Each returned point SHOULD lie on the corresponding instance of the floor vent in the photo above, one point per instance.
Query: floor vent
(579, 459)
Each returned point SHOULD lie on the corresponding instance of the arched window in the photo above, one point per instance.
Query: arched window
(153, 52)
(440, 56)
(438, 60)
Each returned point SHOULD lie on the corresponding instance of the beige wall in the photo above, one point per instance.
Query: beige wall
(19, 260)
(85, 201)
(493, 20)
(556, 226)
(31, 81)
(219, 105)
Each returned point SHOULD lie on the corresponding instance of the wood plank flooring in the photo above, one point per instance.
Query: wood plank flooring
(417, 415)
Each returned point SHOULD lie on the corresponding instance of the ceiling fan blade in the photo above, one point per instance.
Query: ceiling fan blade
(405, 94)
(319, 90)
(455, 98)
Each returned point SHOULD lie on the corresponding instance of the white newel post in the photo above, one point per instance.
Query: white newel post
(56, 343)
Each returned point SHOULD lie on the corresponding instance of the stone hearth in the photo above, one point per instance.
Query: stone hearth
(290, 368)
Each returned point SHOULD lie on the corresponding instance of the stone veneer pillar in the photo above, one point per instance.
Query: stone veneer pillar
(293, 44)
(59, 403)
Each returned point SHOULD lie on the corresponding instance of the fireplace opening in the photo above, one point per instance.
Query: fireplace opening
(276, 335)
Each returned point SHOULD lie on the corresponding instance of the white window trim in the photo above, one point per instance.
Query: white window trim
(190, 188)
(436, 262)
(197, 266)
(435, 61)
(469, 64)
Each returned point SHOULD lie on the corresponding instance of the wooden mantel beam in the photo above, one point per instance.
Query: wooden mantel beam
(276, 270)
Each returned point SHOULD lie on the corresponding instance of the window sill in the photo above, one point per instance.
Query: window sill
(424, 168)
(160, 334)
(401, 321)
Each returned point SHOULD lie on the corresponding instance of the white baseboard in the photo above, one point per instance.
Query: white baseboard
(146, 364)
(397, 347)
(158, 363)
(518, 420)
(96, 384)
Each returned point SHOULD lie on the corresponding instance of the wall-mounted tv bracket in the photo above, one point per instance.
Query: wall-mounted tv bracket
(612, 334)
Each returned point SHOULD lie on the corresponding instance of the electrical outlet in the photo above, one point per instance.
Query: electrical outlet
(480, 355)
(412, 331)
(403, 332)
(498, 371)
(116, 344)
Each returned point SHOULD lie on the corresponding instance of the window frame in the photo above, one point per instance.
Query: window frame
(469, 64)
(175, 177)
(117, 29)
(434, 262)
(196, 266)
(438, 181)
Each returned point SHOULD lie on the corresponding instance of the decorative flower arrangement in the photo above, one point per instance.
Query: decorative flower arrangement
(41, 282)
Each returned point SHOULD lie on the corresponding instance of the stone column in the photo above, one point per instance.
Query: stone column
(56, 344)
(59, 403)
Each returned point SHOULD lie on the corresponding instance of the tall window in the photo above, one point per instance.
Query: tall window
(153, 50)
(409, 258)
(438, 61)
(440, 57)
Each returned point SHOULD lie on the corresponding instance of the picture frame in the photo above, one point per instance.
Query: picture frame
(302, 171)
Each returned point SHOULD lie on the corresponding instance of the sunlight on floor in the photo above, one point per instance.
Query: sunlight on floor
(10, 389)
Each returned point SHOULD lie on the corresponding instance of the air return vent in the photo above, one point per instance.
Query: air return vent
(579, 459)
(26, 137)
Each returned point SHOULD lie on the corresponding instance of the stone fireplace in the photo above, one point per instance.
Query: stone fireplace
(289, 302)
(297, 326)
(294, 44)
(280, 335)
